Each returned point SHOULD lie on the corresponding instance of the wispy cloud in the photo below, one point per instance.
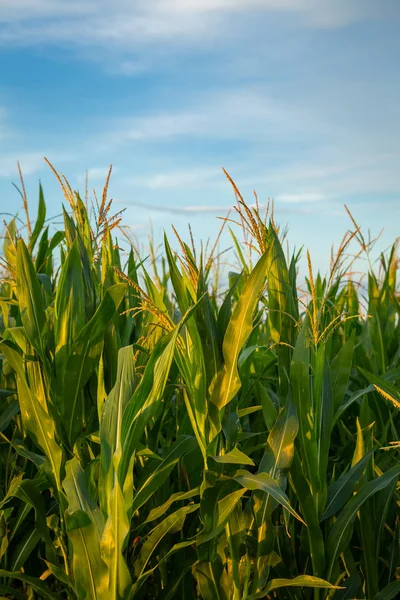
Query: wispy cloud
(229, 113)
(298, 204)
(199, 177)
(96, 175)
(337, 170)
(31, 162)
(164, 125)
(301, 198)
(130, 24)
(336, 159)
(27, 10)
(212, 178)
(179, 210)
(222, 210)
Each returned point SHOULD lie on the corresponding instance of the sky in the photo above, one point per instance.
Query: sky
(297, 99)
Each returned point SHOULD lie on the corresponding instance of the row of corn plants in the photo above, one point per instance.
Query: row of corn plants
(162, 436)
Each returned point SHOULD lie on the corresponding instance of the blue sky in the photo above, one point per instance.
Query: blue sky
(298, 99)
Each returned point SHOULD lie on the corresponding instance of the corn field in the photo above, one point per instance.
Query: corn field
(165, 435)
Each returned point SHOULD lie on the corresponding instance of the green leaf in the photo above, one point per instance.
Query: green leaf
(115, 532)
(282, 310)
(225, 310)
(237, 332)
(83, 359)
(56, 240)
(9, 249)
(268, 407)
(390, 591)
(29, 493)
(338, 530)
(160, 511)
(385, 385)
(170, 524)
(90, 572)
(110, 426)
(234, 457)
(24, 548)
(113, 501)
(342, 489)
(60, 575)
(323, 412)
(43, 256)
(41, 588)
(12, 488)
(37, 422)
(10, 411)
(141, 407)
(243, 412)
(219, 515)
(340, 371)
(69, 317)
(191, 361)
(209, 577)
(40, 219)
(282, 436)
(175, 548)
(300, 581)
(11, 592)
(265, 483)
(183, 445)
(300, 383)
(316, 540)
(30, 300)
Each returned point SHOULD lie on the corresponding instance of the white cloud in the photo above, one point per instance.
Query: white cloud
(130, 24)
(199, 178)
(350, 167)
(231, 113)
(164, 125)
(184, 209)
(220, 210)
(27, 10)
(301, 198)
(31, 162)
(186, 179)
(320, 13)
(96, 174)
(337, 160)
(334, 178)
(128, 67)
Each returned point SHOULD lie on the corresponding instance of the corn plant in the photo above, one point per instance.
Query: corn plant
(162, 436)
